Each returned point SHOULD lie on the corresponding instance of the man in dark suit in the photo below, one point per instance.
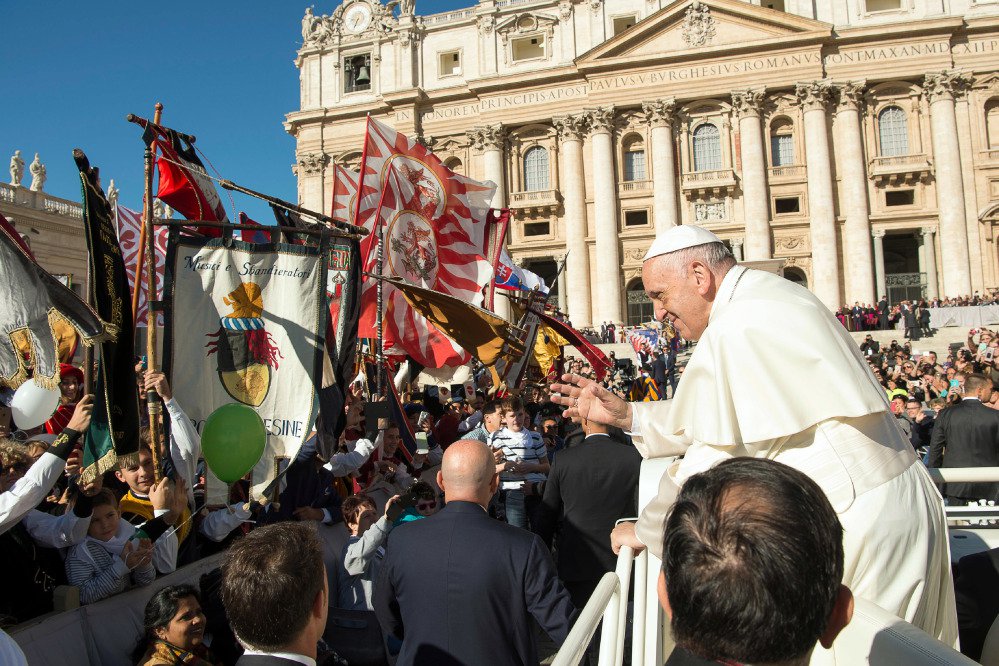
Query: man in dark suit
(590, 487)
(275, 595)
(967, 435)
(883, 310)
(976, 588)
(659, 372)
(458, 587)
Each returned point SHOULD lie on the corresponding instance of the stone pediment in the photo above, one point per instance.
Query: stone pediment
(526, 23)
(695, 26)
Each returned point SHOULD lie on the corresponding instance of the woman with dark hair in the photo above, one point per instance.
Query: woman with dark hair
(174, 629)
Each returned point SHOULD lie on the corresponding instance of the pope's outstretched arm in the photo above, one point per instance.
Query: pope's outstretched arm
(586, 399)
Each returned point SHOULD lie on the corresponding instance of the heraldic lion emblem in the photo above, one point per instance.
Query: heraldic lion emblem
(246, 351)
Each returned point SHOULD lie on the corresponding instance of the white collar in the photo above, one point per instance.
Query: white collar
(965, 398)
(290, 656)
(726, 289)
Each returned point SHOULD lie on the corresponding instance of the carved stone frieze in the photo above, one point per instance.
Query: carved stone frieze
(748, 102)
(486, 24)
(660, 112)
(698, 25)
(813, 94)
(565, 11)
(634, 254)
(570, 128)
(312, 163)
(487, 137)
(791, 244)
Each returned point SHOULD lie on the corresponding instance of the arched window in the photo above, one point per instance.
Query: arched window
(454, 164)
(536, 169)
(707, 148)
(634, 159)
(782, 142)
(992, 122)
(796, 275)
(893, 130)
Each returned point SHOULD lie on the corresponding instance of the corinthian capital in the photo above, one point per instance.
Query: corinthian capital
(487, 137)
(601, 120)
(570, 128)
(850, 95)
(947, 84)
(659, 113)
(813, 94)
(311, 163)
(748, 103)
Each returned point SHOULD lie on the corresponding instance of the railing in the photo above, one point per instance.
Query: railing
(511, 3)
(699, 178)
(635, 185)
(793, 171)
(534, 198)
(22, 196)
(919, 161)
(990, 155)
(448, 17)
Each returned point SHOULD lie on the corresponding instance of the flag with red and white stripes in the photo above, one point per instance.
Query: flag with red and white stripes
(435, 225)
(129, 223)
(344, 194)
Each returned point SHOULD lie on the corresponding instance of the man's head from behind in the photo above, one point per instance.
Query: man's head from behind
(753, 565)
(468, 472)
(274, 589)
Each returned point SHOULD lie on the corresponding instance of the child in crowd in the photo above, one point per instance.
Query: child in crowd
(363, 554)
(115, 553)
(524, 462)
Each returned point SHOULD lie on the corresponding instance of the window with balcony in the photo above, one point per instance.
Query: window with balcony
(357, 73)
(707, 148)
(634, 159)
(449, 64)
(536, 169)
(528, 48)
(622, 23)
(893, 132)
(782, 143)
(992, 122)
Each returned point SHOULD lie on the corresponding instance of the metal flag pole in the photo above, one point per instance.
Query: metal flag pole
(153, 403)
(141, 256)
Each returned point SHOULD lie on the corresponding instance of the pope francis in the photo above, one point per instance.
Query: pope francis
(774, 375)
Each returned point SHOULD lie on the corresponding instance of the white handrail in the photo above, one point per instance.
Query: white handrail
(964, 474)
(612, 631)
(579, 637)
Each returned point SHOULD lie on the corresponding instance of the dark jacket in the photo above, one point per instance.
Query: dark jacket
(460, 587)
(976, 588)
(659, 370)
(589, 488)
(966, 435)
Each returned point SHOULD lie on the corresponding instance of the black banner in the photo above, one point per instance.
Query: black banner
(113, 437)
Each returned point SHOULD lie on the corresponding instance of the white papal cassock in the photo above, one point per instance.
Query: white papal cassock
(775, 376)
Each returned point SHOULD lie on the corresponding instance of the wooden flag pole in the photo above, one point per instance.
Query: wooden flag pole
(153, 403)
(140, 257)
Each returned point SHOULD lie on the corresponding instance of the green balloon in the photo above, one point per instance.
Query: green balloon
(232, 441)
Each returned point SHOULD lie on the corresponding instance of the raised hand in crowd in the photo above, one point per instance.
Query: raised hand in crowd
(161, 497)
(137, 553)
(80, 420)
(157, 381)
(587, 399)
(179, 497)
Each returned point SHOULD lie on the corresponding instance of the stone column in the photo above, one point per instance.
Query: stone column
(737, 248)
(930, 261)
(939, 90)
(607, 295)
(879, 262)
(857, 259)
(561, 286)
(813, 97)
(491, 140)
(577, 264)
(963, 114)
(659, 115)
(756, 206)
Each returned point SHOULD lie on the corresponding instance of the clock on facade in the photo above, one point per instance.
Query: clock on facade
(357, 17)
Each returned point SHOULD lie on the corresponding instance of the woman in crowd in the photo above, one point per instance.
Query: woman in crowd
(174, 629)
(70, 389)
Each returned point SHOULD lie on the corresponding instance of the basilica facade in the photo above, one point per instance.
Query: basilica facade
(853, 143)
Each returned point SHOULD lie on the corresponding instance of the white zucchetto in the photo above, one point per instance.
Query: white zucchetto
(680, 238)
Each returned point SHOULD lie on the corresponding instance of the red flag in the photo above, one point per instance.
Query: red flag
(344, 194)
(129, 223)
(496, 243)
(183, 184)
(435, 225)
(601, 364)
(253, 235)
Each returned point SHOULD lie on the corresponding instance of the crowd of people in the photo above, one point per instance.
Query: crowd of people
(912, 315)
(506, 509)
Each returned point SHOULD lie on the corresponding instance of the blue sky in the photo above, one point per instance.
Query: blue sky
(224, 72)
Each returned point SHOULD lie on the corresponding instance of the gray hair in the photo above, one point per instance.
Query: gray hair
(714, 255)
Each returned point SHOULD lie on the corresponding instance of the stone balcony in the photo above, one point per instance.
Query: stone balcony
(899, 170)
(634, 187)
(535, 201)
(708, 184)
(786, 174)
(25, 198)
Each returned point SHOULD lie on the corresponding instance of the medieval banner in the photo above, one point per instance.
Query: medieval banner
(246, 324)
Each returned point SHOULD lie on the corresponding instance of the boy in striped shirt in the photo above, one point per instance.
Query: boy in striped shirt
(524, 461)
